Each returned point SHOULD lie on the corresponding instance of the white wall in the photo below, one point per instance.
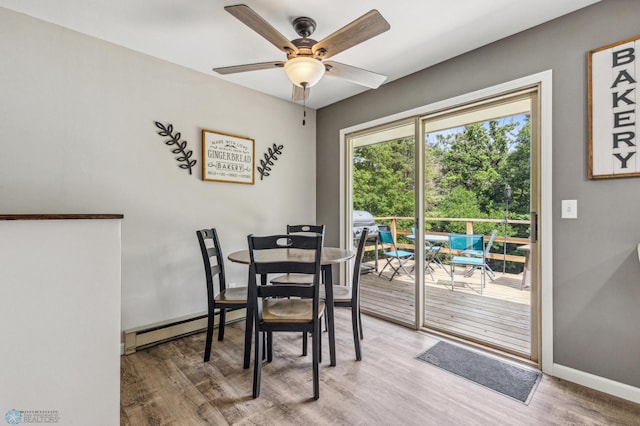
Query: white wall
(77, 135)
(61, 319)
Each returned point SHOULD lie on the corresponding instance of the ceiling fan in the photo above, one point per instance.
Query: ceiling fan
(306, 63)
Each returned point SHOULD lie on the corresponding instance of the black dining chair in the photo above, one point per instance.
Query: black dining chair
(285, 307)
(349, 296)
(298, 278)
(225, 299)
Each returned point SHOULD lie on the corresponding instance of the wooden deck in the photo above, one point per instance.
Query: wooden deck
(500, 317)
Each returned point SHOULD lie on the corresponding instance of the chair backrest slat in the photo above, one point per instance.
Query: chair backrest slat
(317, 229)
(466, 242)
(215, 269)
(212, 259)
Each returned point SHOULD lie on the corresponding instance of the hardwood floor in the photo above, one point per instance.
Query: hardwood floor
(170, 385)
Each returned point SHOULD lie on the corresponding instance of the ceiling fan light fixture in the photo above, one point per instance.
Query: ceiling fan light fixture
(304, 71)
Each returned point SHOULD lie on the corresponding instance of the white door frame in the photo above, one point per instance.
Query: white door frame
(545, 216)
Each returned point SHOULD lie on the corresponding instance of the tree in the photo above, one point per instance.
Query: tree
(517, 173)
(474, 159)
(384, 178)
(466, 171)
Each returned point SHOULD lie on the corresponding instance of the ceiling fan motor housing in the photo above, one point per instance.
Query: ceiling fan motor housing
(304, 26)
(304, 46)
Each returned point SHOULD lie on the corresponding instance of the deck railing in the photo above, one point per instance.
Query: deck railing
(499, 239)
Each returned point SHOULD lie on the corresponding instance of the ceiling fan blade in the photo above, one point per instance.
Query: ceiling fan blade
(249, 67)
(354, 75)
(365, 27)
(254, 21)
(299, 94)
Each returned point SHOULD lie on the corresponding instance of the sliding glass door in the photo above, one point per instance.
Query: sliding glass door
(383, 181)
(475, 171)
(477, 177)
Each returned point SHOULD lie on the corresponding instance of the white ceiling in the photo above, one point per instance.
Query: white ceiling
(201, 35)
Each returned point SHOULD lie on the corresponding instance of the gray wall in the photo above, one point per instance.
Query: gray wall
(77, 135)
(596, 276)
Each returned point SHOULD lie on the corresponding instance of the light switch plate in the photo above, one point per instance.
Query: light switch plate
(569, 209)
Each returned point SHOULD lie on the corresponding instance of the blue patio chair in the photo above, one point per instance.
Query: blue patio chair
(391, 252)
(478, 253)
(466, 242)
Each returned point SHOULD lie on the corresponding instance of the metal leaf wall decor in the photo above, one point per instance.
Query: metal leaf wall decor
(181, 147)
(269, 157)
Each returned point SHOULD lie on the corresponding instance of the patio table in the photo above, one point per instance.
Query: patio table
(526, 273)
(431, 240)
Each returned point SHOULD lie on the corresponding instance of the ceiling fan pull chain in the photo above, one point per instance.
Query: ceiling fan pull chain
(304, 103)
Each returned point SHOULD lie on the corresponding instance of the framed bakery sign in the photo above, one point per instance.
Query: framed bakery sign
(227, 158)
(614, 71)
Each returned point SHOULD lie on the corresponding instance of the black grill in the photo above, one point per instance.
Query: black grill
(363, 219)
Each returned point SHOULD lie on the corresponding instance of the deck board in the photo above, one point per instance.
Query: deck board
(499, 317)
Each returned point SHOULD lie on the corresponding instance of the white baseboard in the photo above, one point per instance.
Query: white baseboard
(592, 381)
(153, 334)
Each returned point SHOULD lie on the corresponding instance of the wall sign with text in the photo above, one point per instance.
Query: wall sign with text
(227, 158)
(614, 71)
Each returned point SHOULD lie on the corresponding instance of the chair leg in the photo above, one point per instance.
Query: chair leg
(396, 271)
(257, 362)
(269, 346)
(430, 270)
(223, 321)
(209, 341)
(304, 343)
(356, 334)
(320, 345)
(264, 346)
(247, 337)
(360, 324)
(453, 272)
(492, 275)
(385, 267)
(470, 271)
(439, 263)
(316, 360)
(403, 268)
(487, 269)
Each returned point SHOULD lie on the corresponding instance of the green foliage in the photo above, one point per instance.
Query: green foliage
(384, 178)
(516, 171)
(458, 203)
(466, 171)
(475, 159)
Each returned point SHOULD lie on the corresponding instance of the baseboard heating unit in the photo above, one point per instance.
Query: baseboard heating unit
(153, 334)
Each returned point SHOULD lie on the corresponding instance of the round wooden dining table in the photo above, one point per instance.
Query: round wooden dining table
(330, 256)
